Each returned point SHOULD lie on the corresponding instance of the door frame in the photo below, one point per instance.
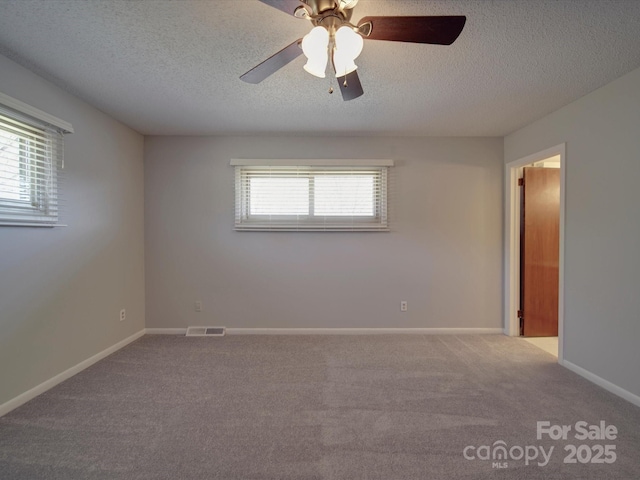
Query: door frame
(512, 241)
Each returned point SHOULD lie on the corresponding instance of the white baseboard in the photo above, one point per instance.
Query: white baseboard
(61, 377)
(165, 331)
(361, 331)
(338, 331)
(601, 382)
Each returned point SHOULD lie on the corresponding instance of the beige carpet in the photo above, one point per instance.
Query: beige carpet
(316, 407)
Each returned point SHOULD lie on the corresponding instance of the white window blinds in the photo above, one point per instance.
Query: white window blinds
(31, 162)
(335, 196)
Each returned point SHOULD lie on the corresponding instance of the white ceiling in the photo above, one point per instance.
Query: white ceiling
(172, 66)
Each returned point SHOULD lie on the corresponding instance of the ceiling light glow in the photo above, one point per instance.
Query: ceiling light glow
(315, 46)
(348, 47)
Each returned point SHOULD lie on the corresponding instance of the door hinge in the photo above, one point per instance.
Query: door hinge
(521, 182)
(520, 315)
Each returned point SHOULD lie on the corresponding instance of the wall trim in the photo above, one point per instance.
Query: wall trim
(338, 331)
(165, 331)
(601, 382)
(362, 331)
(36, 113)
(326, 162)
(61, 377)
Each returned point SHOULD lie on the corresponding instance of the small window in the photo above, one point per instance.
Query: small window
(311, 197)
(30, 164)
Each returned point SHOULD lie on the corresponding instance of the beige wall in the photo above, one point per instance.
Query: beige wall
(61, 289)
(602, 235)
(443, 255)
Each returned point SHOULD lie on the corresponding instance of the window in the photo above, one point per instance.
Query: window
(327, 195)
(30, 165)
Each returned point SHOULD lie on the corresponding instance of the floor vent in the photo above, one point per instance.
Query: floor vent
(205, 331)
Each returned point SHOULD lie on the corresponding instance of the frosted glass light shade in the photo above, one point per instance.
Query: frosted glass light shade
(343, 64)
(315, 47)
(348, 4)
(348, 46)
(317, 66)
(349, 42)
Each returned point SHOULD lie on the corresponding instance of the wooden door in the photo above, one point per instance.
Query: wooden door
(540, 251)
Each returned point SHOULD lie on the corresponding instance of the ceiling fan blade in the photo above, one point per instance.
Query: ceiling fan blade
(353, 88)
(273, 63)
(287, 6)
(439, 30)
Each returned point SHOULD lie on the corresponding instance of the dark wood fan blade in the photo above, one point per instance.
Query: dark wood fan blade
(273, 63)
(442, 30)
(287, 6)
(353, 88)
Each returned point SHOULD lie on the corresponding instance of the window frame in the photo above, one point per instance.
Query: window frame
(39, 149)
(245, 170)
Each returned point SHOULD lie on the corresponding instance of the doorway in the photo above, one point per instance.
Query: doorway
(551, 158)
(539, 248)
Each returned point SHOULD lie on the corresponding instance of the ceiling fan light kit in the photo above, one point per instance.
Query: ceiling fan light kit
(345, 45)
(335, 38)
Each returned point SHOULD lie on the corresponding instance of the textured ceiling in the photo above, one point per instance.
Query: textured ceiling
(172, 66)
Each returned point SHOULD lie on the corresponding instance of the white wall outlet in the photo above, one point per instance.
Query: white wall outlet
(198, 306)
(123, 315)
(403, 306)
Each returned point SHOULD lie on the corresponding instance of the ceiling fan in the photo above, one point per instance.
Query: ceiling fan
(336, 41)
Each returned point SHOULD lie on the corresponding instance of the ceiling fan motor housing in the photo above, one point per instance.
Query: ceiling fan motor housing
(320, 8)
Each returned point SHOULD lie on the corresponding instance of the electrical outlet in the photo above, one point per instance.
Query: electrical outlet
(123, 315)
(198, 306)
(403, 306)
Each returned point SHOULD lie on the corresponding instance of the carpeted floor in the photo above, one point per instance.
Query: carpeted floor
(317, 407)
